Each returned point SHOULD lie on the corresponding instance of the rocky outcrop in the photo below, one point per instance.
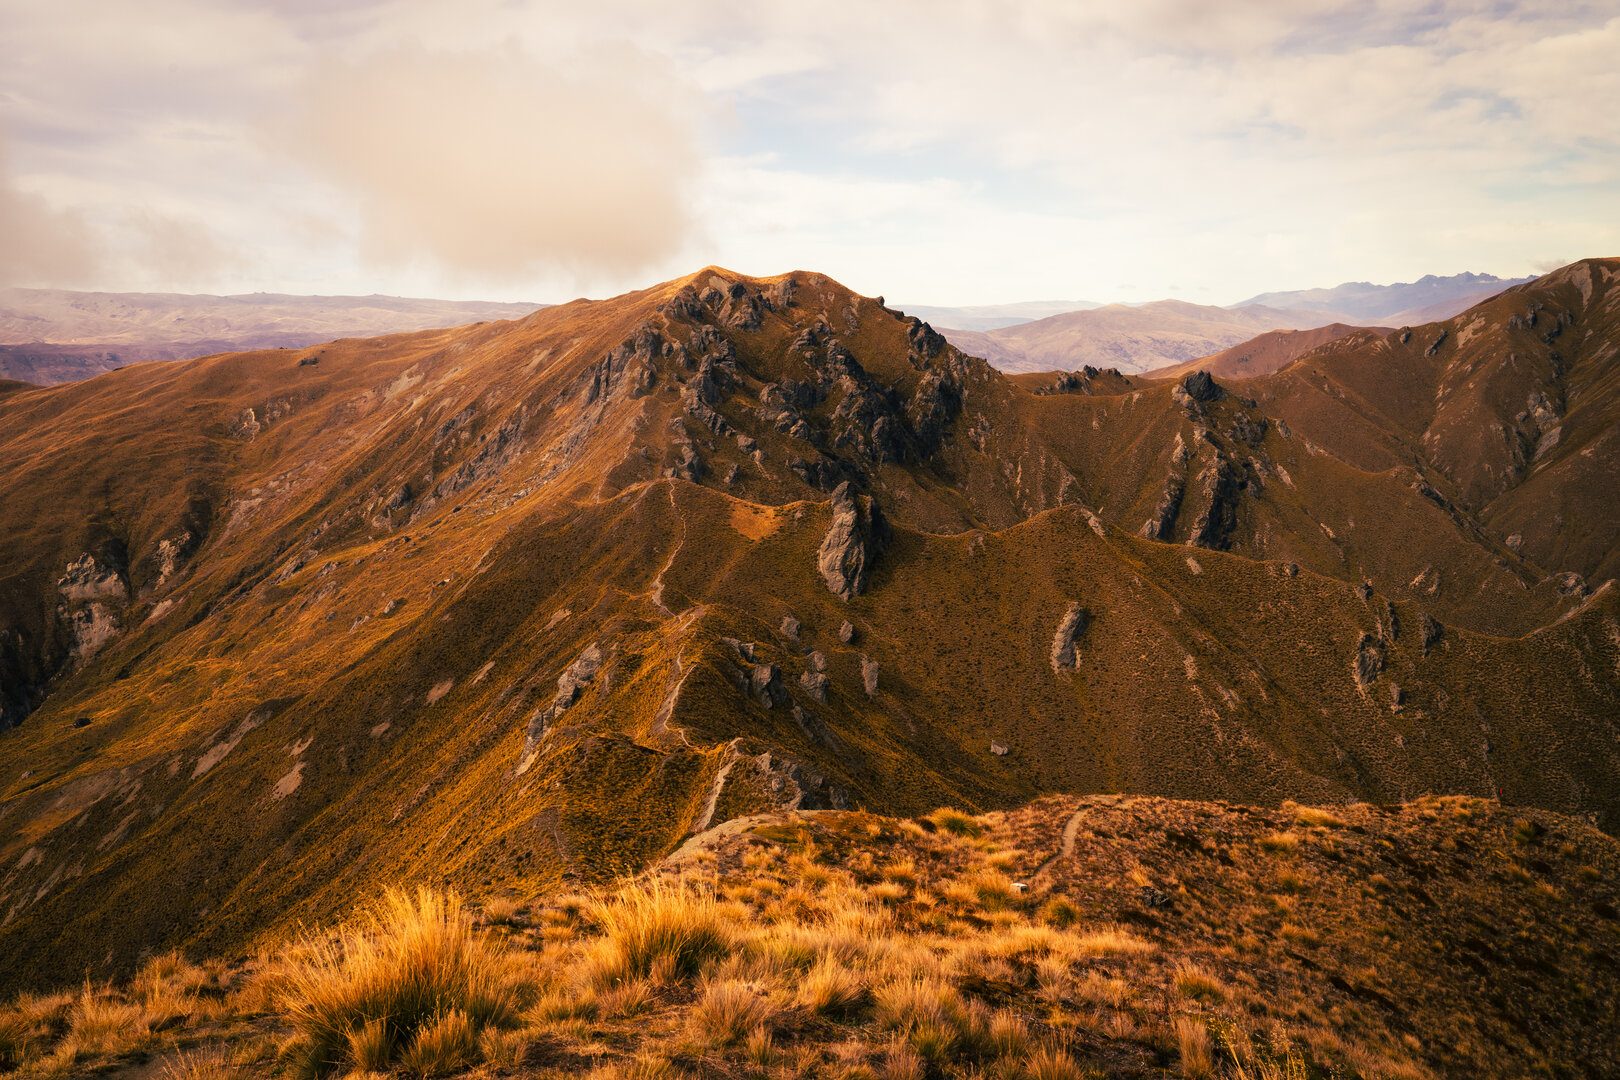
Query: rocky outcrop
(1429, 631)
(1201, 387)
(1368, 662)
(765, 684)
(869, 676)
(1163, 521)
(570, 685)
(1065, 654)
(92, 595)
(814, 679)
(855, 540)
(1217, 514)
(846, 632)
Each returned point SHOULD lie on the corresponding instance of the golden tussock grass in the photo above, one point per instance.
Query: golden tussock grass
(670, 931)
(1196, 1047)
(728, 1010)
(831, 989)
(950, 820)
(415, 968)
(1198, 983)
(1113, 942)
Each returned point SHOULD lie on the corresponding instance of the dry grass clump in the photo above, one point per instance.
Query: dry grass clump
(992, 889)
(1049, 1064)
(447, 1044)
(1197, 1049)
(1314, 817)
(504, 1048)
(728, 1011)
(212, 1063)
(501, 911)
(1280, 843)
(1113, 942)
(953, 821)
(1059, 911)
(665, 931)
(831, 989)
(1197, 983)
(929, 1013)
(415, 983)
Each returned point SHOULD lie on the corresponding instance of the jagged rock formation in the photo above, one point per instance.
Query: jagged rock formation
(1065, 653)
(855, 539)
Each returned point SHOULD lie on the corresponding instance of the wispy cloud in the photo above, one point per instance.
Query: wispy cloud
(495, 165)
(951, 151)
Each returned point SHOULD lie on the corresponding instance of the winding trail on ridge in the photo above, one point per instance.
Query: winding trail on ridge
(657, 592)
(1070, 830)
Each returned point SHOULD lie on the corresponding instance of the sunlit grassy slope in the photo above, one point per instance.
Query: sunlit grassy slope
(1070, 938)
(499, 607)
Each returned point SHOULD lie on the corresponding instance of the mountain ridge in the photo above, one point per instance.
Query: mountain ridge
(527, 603)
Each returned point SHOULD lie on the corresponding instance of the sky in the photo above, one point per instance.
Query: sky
(932, 151)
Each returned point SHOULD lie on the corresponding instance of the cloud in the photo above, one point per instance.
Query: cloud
(45, 246)
(495, 166)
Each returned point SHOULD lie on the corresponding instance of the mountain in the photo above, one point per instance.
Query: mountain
(995, 316)
(521, 606)
(51, 336)
(1363, 302)
(1130, 338)
(1264, 353)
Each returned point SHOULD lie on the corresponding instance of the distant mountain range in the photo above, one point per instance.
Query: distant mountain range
(54, 336)
(1132, 339)
(995, 316)
(1141, 338)
(1403, 302)
(50, 336)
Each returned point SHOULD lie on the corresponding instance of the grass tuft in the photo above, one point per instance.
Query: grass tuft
(831, 989)
(447, 1045)
(416, 964)
(953, 821)
(1050, 1064)
(661, 929)
(729, 1011)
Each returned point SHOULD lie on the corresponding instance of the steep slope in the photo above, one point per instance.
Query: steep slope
(526, 603)
(1508, 410)
(1362, 301)
(1132, 339)
(1261, 355)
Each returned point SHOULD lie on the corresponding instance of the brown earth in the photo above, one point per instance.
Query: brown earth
(527, 603)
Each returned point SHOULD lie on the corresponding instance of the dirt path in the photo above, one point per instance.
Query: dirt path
(1070, 830)
(658, 582)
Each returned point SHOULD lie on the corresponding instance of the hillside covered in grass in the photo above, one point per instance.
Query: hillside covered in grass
(526, 605)
(1098, 937)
